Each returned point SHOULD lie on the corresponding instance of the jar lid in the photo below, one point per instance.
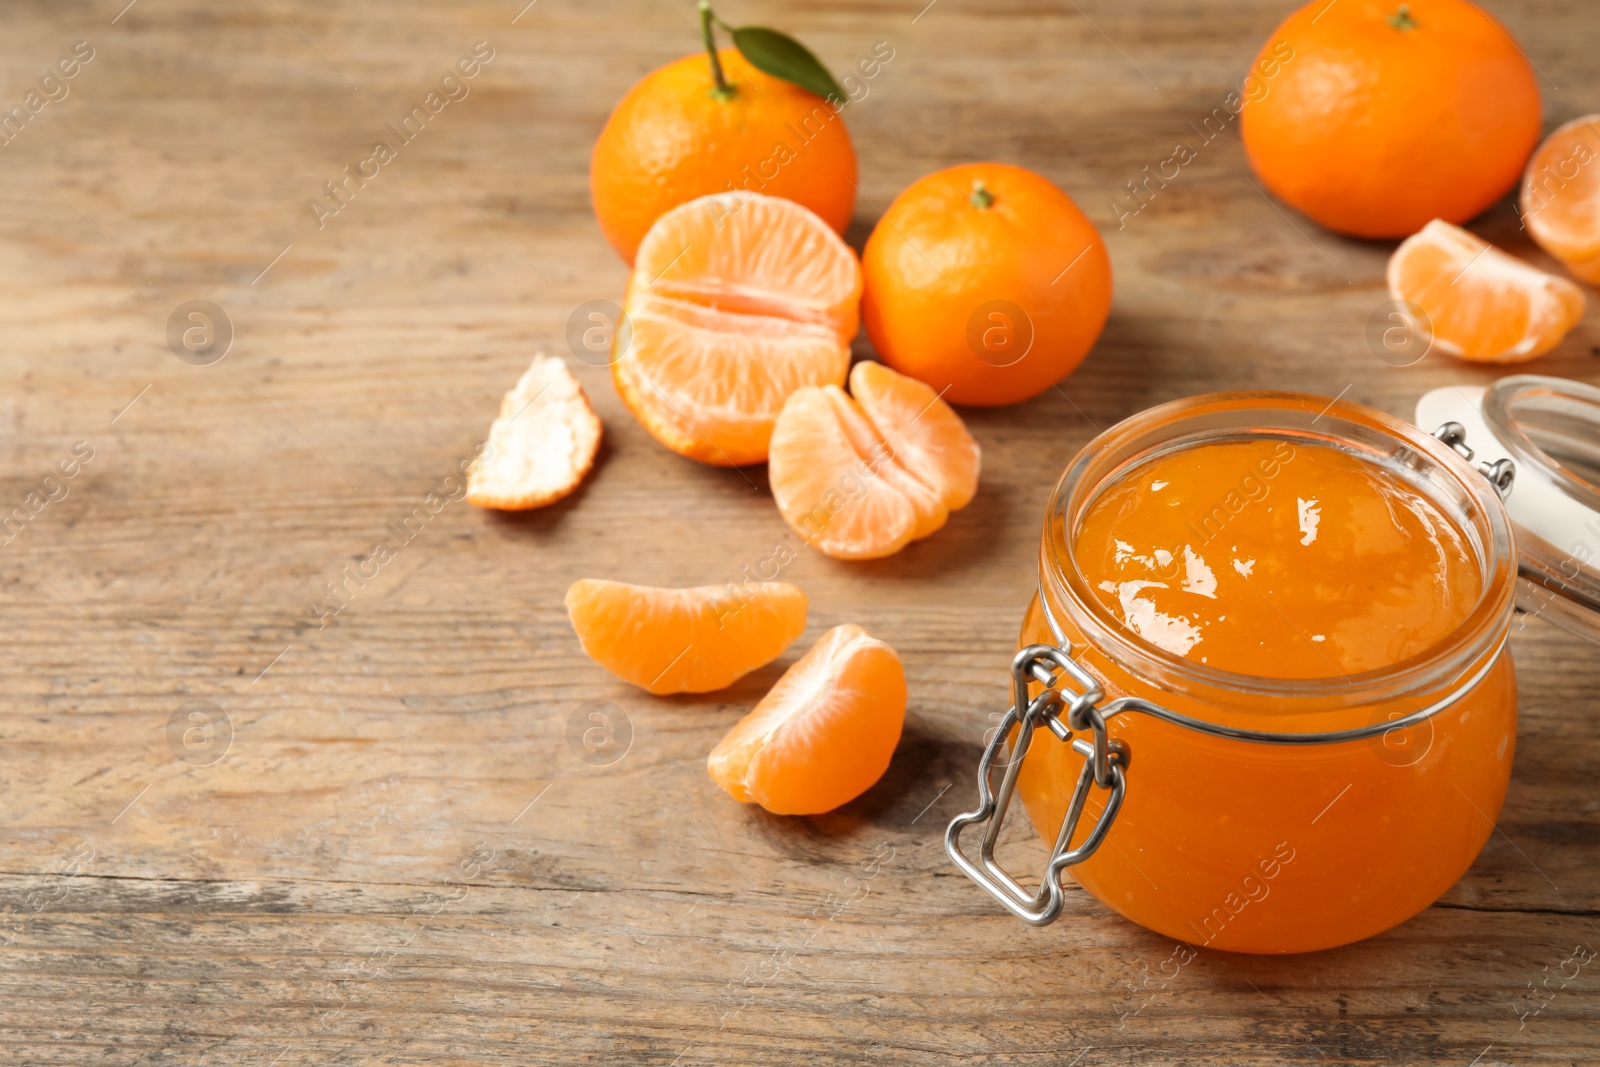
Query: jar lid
(1549, 428)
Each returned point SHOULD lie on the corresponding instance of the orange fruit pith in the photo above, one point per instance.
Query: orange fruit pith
(736, 300)
(989, 301)
(1560, 199)
(860, 477)
(825, 732)
(1373, 118)
(1481, 304)
(669, 141)
(695, 640)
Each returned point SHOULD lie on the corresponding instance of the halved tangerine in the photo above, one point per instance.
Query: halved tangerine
(1481, 303)
(824, 734)
(736, 300)
(693, 640)
(1560, 198)
(860, 478)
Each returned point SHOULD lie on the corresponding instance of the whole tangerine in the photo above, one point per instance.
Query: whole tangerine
(678, 135)
(986, 282)
(1373, 118)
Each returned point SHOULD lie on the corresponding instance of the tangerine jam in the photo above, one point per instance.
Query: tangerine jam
(1270, 562)
(1324, 564)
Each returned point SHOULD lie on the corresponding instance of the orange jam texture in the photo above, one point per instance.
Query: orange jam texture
(1277, 559)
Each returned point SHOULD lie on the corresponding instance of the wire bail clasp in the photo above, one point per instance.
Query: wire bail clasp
(1104, 767)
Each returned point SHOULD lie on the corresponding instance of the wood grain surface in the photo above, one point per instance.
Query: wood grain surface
(407, 854)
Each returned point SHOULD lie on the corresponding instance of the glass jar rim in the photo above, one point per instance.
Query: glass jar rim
(1176, 425)
(1562, 583)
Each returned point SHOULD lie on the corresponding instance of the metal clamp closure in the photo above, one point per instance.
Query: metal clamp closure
(1105, 762)
(1104, 767)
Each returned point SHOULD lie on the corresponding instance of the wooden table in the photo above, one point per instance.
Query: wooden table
(406, 854)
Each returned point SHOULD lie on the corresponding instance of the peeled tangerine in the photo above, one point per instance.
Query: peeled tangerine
(1481, 304)
(825, 732)
(684, 640)
(540, 446)
(736, 300)
(861, 477)
(1560, 198)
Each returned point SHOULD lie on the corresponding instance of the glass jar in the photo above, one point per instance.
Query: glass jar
(1245, 812)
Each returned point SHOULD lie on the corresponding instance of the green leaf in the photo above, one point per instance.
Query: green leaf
(784, 57)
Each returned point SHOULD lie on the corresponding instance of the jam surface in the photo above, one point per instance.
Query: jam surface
(1277, 559)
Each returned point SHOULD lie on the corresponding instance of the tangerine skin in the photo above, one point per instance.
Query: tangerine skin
(1372, 130)
(935, 258)
(670, 140)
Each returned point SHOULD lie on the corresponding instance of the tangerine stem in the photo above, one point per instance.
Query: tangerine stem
(981, 198)
(1402, 20)
(722, 91)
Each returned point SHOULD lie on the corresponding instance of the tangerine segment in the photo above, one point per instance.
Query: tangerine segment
(928, 438)
(824, 734)
(693, 640)
(736, 301)
(1560, 197)
(1481, 303)
(709, 384)
(827, 490)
